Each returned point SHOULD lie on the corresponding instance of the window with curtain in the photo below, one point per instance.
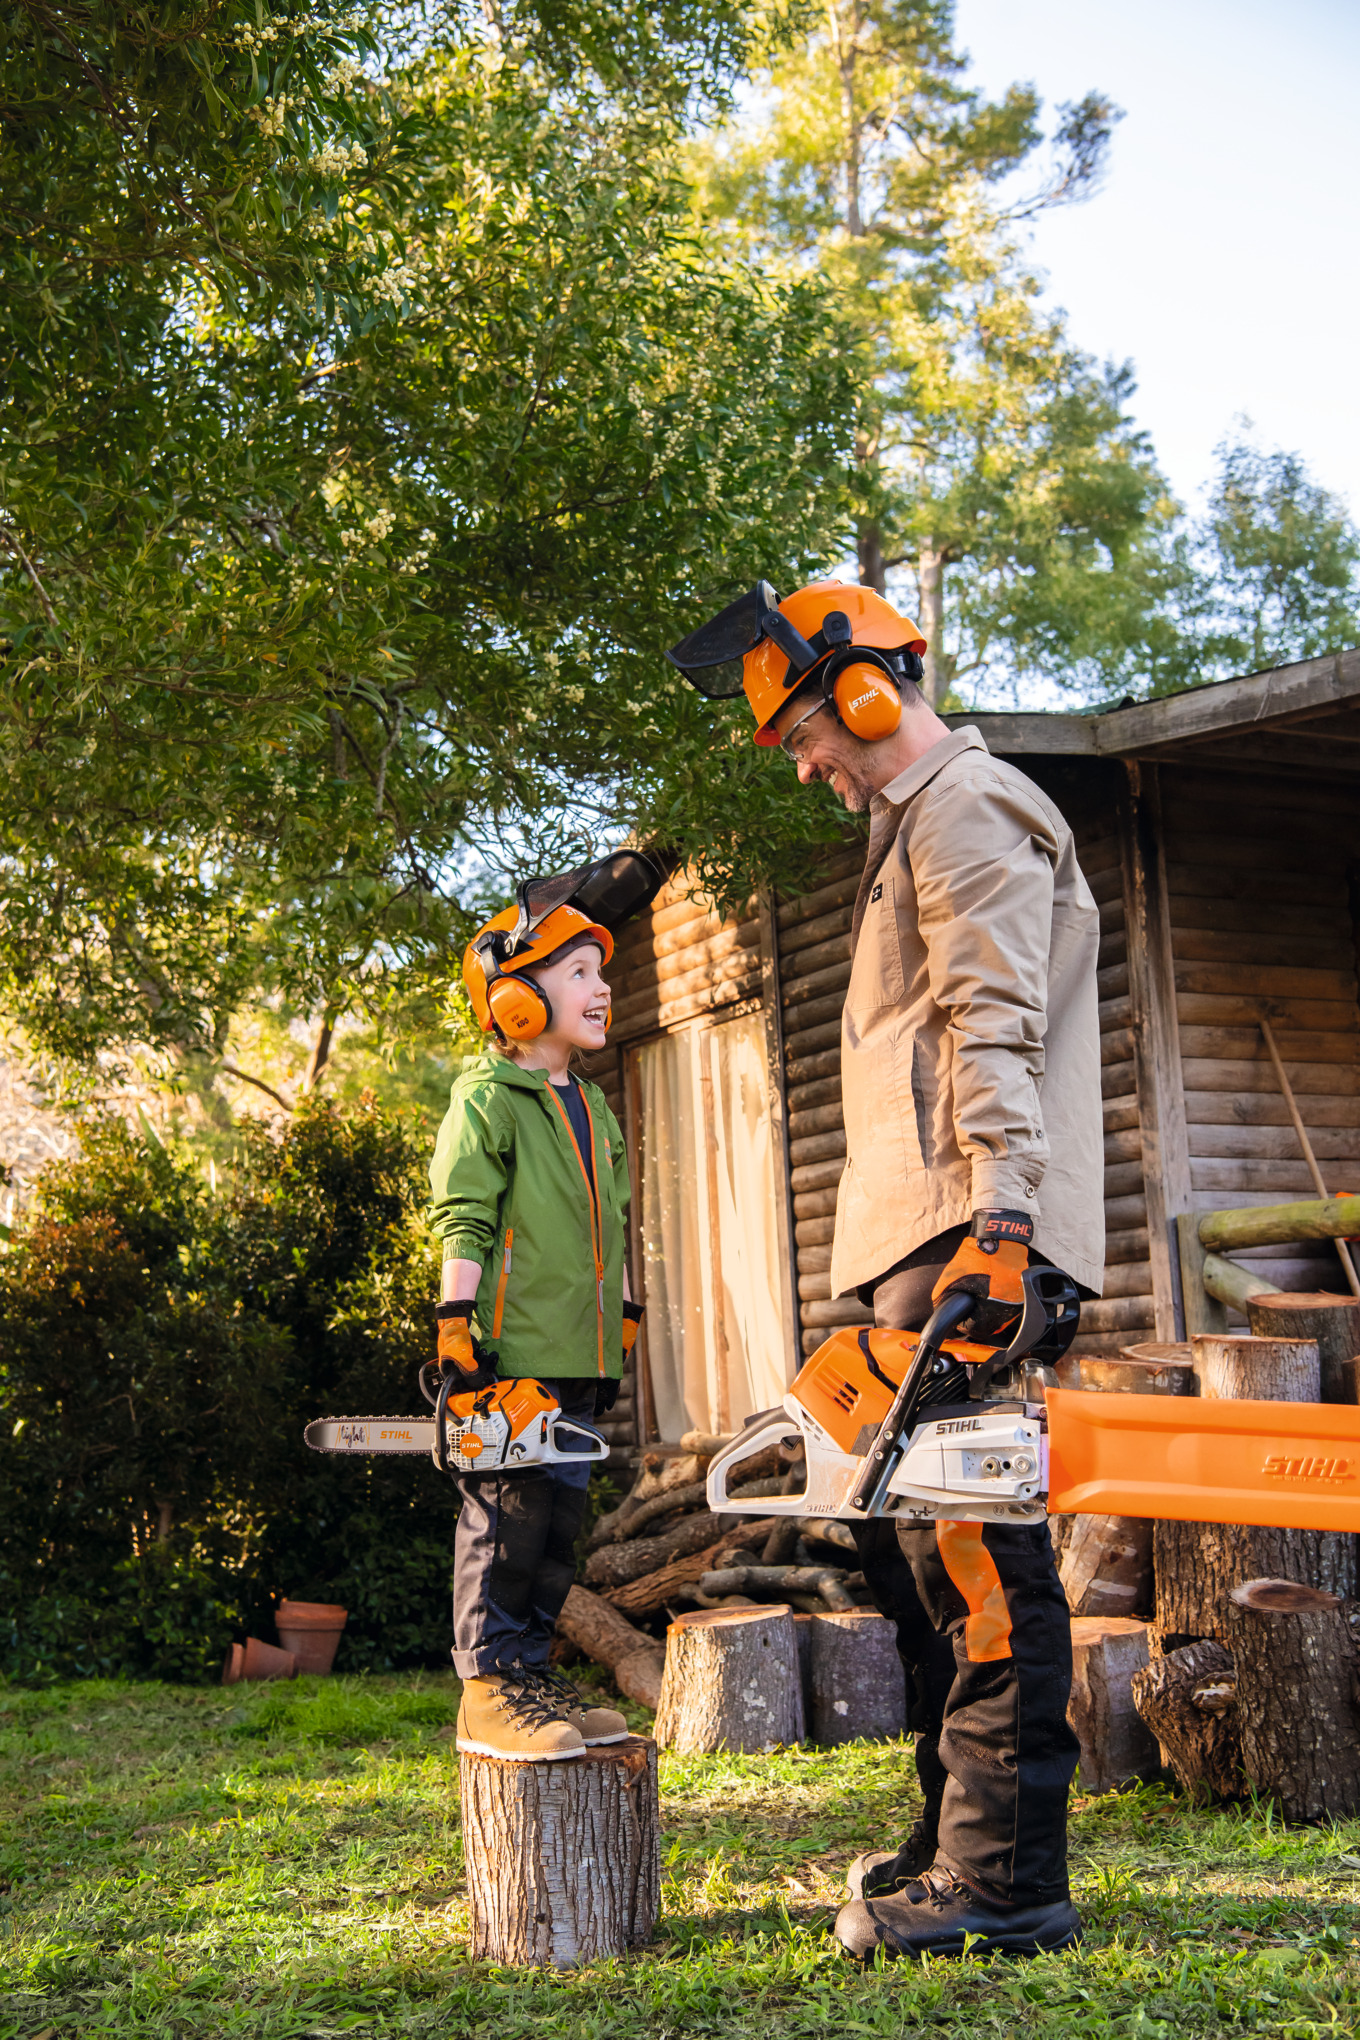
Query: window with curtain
(717, 1344)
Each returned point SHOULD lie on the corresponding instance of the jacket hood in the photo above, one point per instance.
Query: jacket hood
(498, 1069)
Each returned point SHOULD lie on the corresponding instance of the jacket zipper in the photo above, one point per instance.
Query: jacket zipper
(500, 1286)
(593, 1201)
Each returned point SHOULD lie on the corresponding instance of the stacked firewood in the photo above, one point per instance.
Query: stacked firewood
(663, 1549)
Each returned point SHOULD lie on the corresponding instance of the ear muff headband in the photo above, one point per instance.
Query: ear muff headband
(519, 1008)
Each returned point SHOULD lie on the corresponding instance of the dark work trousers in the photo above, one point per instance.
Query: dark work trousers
(984, 1634)
(514, 1553)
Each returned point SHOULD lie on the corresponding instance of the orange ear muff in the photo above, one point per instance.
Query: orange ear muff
(866, 701)
(518, 1007)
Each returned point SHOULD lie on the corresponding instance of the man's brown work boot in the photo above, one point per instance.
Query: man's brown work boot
(596, 1724)
(505, 1715)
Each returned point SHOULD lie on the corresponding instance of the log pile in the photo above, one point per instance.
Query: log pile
(662, 1552)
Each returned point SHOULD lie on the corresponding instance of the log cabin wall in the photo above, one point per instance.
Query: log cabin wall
(1259, 873)
(671, 967)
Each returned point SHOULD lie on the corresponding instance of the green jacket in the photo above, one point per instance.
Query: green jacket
(510, 1192)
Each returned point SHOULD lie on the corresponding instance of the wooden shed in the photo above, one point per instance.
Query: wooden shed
(1220, 834)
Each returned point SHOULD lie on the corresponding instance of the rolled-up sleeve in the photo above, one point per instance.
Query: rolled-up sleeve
(467, 1180)
(983, 869)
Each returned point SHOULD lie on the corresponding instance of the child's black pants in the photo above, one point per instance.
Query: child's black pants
(514, 1553)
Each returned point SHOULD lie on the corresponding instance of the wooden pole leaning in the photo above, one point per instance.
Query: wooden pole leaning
(563, 1859)
(1287, 1092)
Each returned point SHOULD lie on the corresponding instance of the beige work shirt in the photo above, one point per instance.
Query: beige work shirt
(970, 1043)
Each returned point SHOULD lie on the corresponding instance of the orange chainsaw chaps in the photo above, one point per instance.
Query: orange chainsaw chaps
(1293, 1466)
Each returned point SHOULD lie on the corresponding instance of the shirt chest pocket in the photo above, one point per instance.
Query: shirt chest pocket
(876, 975)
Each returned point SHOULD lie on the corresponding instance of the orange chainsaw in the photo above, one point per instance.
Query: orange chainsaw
(510, 1426)
(910, 1425)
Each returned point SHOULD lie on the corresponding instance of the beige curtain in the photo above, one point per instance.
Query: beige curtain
(710, 1229)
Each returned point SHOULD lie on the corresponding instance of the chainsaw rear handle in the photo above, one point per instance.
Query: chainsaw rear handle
(886, 1448)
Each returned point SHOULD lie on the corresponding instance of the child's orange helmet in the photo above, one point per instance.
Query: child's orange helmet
(838, 633)
(548, 913)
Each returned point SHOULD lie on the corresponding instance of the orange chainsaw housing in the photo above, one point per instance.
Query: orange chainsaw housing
(837, 1387)
(1291, 1465)
(519, 1401)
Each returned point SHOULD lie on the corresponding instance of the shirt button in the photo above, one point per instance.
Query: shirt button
(1029, 1189)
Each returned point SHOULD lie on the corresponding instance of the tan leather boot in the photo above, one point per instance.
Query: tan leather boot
(595, 1724)
(503, 1714)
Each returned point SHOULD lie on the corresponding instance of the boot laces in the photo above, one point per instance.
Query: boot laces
(553, 1685)
(521, 1698)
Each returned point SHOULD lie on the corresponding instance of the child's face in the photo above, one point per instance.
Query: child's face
(579, 998)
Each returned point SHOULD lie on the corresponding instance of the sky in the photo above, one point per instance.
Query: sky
(1222, 254)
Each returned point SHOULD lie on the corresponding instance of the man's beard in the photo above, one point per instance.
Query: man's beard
(855, 793)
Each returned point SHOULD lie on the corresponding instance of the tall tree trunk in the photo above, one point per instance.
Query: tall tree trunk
(930, 580)
(321, 1051)
(871, 570)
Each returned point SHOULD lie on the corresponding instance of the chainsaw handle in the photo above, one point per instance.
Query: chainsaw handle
(878, 1461)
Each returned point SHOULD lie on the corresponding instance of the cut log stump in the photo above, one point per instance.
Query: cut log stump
(1188, 1700)
(1115, 1743)
(564, 1859)
(1334, 1321)
(1296, 1714)
(731, 1681)
(858, 1688)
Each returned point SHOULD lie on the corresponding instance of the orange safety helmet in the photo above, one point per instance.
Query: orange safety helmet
(834, 634)
(548, 913)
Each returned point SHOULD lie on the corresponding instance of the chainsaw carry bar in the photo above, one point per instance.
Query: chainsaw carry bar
(881, 1460)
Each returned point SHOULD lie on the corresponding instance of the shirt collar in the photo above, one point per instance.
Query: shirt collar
(909, 783)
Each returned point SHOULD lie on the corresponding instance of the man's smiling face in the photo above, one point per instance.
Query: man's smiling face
(822, 749)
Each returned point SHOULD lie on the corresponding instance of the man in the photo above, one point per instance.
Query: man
(970, 1073)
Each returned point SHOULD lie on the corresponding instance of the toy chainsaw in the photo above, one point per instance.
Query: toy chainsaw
(919, 1426)
(502, 1429)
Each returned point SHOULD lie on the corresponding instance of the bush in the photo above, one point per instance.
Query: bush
(161, 1349)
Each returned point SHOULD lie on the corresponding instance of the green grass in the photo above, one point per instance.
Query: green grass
(285, 1861)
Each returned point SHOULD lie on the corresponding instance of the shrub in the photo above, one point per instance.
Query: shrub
(162, 1348)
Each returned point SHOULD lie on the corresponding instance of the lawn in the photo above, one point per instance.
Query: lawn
(285, 1861)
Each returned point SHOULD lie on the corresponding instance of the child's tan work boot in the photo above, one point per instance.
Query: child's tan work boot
(505, 1715)
(595, 1724)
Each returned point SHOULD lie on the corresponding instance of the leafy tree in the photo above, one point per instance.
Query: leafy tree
(994, 459)
(302, 613)
(1283, 562)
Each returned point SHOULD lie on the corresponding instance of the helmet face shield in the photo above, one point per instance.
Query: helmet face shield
(711, 657)
(589, 902)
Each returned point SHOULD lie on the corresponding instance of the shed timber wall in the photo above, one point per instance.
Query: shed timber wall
(1261, 869)
(671, 966)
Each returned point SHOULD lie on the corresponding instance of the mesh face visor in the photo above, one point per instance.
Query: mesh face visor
(710, 657)
(616, 887)
(608, 891)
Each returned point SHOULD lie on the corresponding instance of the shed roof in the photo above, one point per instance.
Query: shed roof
(1304, 718)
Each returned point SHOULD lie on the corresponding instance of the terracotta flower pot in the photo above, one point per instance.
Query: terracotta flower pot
(312, 1631)
(266, 1661)
(233, 1670)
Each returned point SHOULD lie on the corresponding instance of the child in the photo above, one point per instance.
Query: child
(530, 1187)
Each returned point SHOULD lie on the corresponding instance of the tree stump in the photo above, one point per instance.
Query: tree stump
(1115, 1744)
(1333, 1321)
(1189, 1701)
(564, 1859)
(1296, 1715)
(858, 1687)
(731, 1681)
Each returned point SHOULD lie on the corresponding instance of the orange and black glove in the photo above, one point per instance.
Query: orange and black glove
(989, 1264)
(459, 1353)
